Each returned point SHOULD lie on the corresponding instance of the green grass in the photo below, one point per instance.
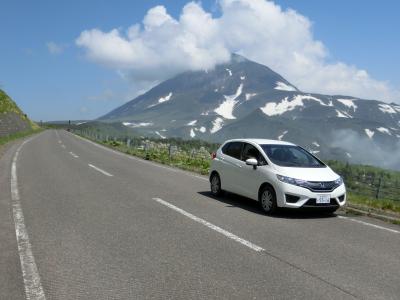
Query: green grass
(19, 135)
(201, 165)
(382, 204)
(182, 160)
(7, 105)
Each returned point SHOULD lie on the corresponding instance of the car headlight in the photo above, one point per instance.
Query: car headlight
(339, 181)
(294, 181)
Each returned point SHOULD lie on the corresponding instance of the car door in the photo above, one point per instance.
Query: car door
(231, 161)
(250, 179)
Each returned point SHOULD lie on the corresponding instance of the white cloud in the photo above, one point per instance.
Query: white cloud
(163, 46)
(55, 48)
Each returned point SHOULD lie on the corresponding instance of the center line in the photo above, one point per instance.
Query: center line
(63, 146)
(73, 154)
(211, 226)
(100, 170)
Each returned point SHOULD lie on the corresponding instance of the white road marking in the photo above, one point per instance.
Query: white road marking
(369, 224)
(30, 274)
(100, 170)
(211, 226)
(74, 155)
(139, 159)
(199, 177)
(63, 146)
(59, 142)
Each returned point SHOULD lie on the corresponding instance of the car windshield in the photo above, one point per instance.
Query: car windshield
(291, 156)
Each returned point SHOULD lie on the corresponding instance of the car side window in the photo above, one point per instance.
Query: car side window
(249, 151)
(233, 149)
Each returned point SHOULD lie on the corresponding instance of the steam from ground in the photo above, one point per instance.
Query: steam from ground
(367, 151)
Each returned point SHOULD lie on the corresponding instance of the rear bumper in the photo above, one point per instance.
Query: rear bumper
(292, 196)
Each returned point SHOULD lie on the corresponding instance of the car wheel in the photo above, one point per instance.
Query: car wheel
(268, 200)
(215, 184)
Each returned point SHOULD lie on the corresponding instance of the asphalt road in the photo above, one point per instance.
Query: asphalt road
(97, 224)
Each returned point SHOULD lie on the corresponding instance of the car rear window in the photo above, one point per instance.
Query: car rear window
(233, 149)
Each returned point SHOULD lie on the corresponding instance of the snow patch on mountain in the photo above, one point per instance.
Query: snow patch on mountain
(192, 133)
(282, 135)
(284, 87)
(217, 125)
(369, 133)
(242, 77)
(160, 135)
(225, 109)
(250, 95)
(315, 144)
(161, 100)
(349, 103)
(342, 114)
(229, 71)
(165, 99)
(192, 123)
(202, 129)
(136, 125)
(273, 108)
(386, 108)
(384, 130)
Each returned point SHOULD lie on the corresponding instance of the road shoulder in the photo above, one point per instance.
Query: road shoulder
(11, 282)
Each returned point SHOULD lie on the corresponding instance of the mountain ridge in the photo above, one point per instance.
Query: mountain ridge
(244, 98)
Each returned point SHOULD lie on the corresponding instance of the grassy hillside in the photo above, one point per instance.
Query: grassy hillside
(7, 106)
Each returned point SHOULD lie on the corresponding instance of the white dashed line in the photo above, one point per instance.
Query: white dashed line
(74, 155)
(211, 226)
(63, 146)
(203, 178)
(30, 274)
(139, 159)
(369, 224)
(100, 170)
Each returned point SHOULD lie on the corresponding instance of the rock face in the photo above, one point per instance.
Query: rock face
(12, 119)
(245, 99)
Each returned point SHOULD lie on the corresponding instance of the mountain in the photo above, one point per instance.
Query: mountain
(246, 99)
(12, 119)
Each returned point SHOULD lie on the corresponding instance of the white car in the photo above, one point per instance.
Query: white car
(277, 174)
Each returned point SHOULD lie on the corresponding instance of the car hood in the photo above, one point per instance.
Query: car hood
(309, 174)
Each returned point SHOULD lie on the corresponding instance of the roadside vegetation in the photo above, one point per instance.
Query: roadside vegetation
(368, 186)
(9, 138)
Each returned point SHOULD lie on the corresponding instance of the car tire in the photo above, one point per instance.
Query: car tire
(215, 185)
(267, 200)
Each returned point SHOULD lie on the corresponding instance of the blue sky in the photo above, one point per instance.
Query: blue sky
(67, 85)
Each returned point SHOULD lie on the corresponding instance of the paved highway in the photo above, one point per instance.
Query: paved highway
(92, 223)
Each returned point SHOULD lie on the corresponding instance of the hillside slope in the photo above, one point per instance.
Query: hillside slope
(246, 99)
(12, 119)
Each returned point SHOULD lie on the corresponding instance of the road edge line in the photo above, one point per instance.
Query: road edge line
(30, 274)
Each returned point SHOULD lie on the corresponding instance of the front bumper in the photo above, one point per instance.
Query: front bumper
(292, 196)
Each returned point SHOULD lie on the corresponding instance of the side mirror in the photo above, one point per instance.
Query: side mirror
(252, 162)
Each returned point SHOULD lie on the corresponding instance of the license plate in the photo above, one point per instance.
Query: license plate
(323, 199)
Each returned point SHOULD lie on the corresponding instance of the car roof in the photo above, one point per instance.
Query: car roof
(261, 141)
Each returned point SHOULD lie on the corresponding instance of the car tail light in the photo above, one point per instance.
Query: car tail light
(213, 155)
